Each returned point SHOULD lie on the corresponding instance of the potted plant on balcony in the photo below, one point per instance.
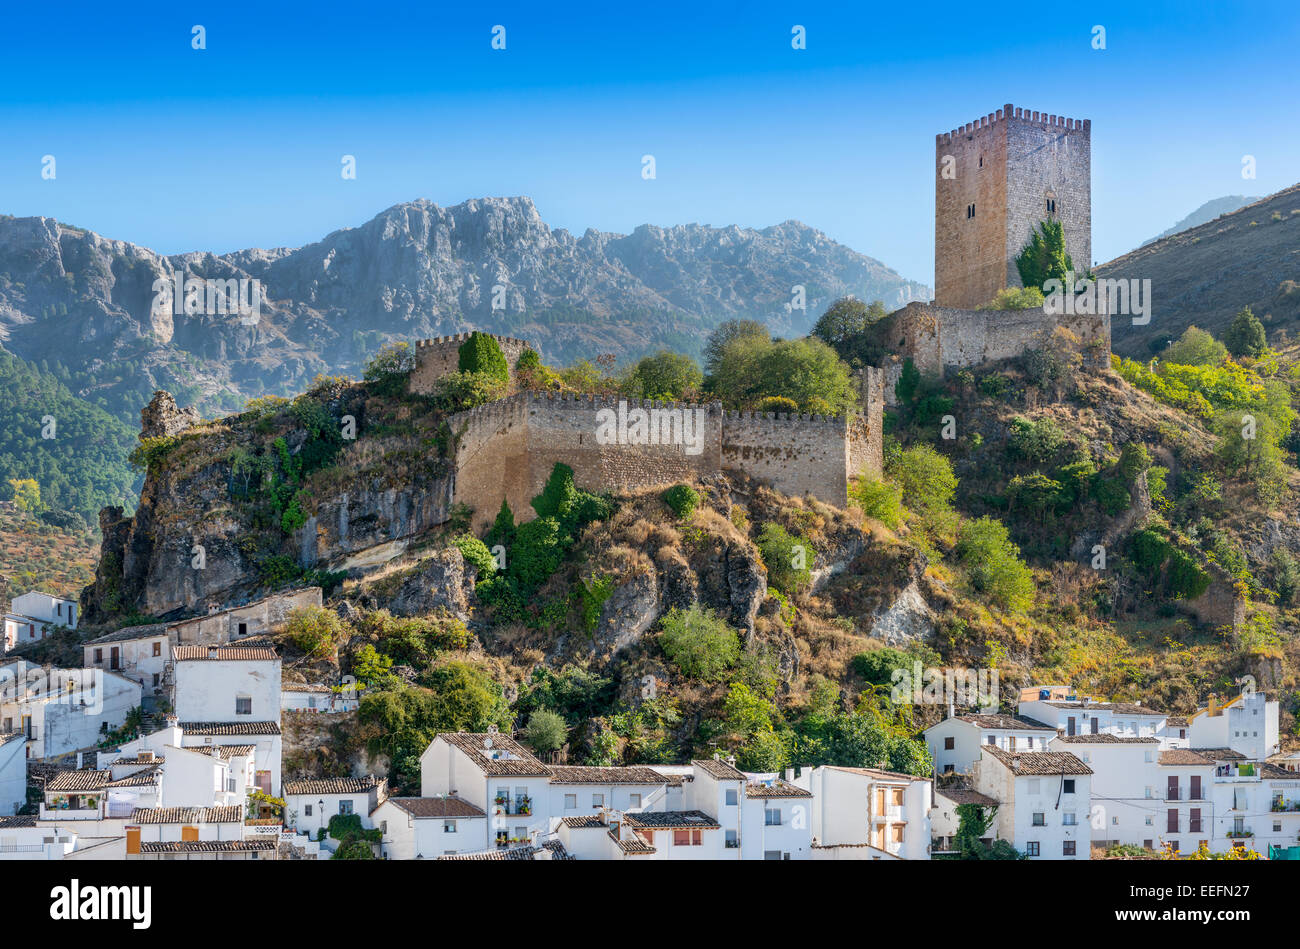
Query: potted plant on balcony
(525, 805)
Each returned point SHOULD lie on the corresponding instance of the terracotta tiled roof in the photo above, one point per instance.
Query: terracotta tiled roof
(436, 807)
(1106, 739)
(20, 820)
(883, 774)
(6, 737)
(305, 687)
(775, 789)
(1220, 754)
(79, 781)
(513, 853)
(259, 844)
(214, 729)
(671, 820)
(719, 769)
(521, 764)
(224, 752)
(227, 814)
(360, 785)
(1182, 756)
(138, 780)
(1273, 773)
(567, 774)
(1177, 721)
(1006, 722)
(1038, 762)
(961, 795)
(585, 822)
(224, 653)
(149, 631)
(632, 844)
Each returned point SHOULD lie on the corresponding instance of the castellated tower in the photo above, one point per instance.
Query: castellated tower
(995, 180)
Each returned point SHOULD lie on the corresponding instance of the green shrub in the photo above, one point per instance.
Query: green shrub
(993, 564)
(996, 385)
(315, 630)
(1036, 441)
(476, 553)
(788, 560)
(1150, 550)
(878, 499)
(778, 404)
(1133, 460)
(482, 354)
(546, 731)
(388, 371)
(1187, 580)
(925, 477)
(683, 499)
(699, 643)
(1111, 493)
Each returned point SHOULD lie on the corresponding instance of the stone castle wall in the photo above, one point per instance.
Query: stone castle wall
(435, 358)
(937, 338)
(1008, 165)
(506, 449)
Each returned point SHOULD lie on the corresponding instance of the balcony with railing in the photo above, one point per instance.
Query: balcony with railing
(513, 807)
(1236, 774)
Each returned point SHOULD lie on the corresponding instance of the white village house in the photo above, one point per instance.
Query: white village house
(32, 616)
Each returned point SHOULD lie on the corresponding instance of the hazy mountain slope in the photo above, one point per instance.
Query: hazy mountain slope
(1206, 212)
(83, 302)
(1204, 275)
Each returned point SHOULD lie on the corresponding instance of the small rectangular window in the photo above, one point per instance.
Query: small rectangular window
(244, 705)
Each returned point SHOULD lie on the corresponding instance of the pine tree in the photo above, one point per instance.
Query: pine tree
(1044, 257)
(1245, 337)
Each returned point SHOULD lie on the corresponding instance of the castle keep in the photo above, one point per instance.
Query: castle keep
(435, 358)
(995, 180)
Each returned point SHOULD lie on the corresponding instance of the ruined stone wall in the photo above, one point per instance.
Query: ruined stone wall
(796, 454)
(507, 449)
(491, 460)
(936, 338)
(435, 358)
(1008, 165)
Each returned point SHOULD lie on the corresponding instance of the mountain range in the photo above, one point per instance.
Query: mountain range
(81, 305)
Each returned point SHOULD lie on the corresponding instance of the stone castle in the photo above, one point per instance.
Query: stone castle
(995, 180)
(505, 450)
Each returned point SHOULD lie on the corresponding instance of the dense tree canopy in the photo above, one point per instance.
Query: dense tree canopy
(75, 452)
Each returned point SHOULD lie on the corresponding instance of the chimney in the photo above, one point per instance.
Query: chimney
(789, 775)
(952, 708)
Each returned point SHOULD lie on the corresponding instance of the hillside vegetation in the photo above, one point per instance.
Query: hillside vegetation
(1033, 519)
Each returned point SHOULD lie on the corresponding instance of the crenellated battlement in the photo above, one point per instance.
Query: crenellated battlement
(507, 449)
(1008, 111)
(439, 357)
(459, 339)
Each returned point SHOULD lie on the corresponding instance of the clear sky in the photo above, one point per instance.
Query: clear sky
(240, 144)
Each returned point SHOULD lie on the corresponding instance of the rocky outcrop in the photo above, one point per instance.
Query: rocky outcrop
(162, 417)
(442, 581)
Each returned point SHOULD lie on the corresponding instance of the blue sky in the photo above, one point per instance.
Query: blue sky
(239, 145)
